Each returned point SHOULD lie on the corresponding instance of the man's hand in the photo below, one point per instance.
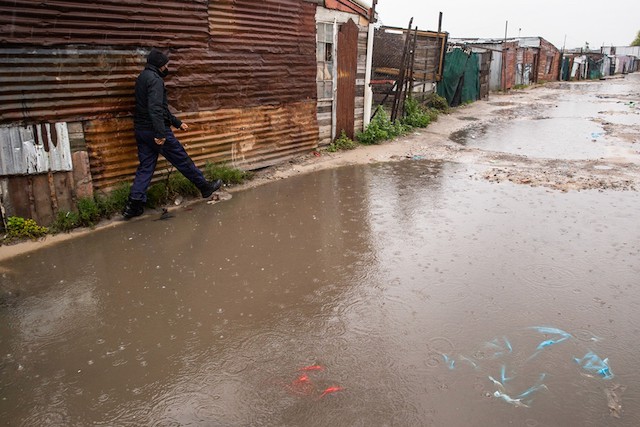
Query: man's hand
(184, 126)
(159, 141)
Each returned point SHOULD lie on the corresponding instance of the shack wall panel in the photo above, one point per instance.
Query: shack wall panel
(104, 23)
(64, 84)
(39, 197)
(34, 149)
(245, 138)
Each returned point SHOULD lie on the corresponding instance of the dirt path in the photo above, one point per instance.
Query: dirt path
(442, 141)
(438, 142)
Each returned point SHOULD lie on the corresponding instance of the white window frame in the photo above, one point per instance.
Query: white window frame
(333, 62)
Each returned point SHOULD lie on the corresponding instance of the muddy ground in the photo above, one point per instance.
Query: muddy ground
(447, 140)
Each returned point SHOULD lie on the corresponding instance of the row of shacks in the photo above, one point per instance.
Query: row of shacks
(581, 64)
(259, 82)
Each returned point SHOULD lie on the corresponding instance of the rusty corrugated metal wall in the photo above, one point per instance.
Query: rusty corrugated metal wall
(172, 23)
(62, 84)
(243, 73)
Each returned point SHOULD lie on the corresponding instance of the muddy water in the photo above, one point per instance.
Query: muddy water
(568, 125)
(332, 299)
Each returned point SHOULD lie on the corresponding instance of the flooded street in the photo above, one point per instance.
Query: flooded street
(406, 293)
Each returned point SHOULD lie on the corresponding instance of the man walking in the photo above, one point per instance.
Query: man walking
(152, 125)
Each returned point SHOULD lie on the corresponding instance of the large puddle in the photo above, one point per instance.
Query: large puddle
(568, 128)
(396, 294)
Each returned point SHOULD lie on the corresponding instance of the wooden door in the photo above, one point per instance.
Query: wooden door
(346, 88)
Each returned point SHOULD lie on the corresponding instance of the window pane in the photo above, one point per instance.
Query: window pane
(328, 71)
(320, 76)
(320, 90)
(328, 90)
(321, 51)
(320, 35)
(329, 52)
(328, 33)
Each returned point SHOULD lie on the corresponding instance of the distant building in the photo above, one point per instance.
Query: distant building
(516, 61)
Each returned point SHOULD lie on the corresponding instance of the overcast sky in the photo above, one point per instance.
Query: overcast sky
(612, 22)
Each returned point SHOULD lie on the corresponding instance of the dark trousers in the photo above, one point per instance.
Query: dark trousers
(173, 151)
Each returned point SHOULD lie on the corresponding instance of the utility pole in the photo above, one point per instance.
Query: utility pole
(504, 57)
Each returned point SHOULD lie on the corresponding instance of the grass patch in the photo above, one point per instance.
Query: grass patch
(65, 221)
(88, 212)
(436, 102)
(416, 115)
(157, 195)
(179, 185)
(342, 143)
(112, 203)
(381, 129)
(227, 174)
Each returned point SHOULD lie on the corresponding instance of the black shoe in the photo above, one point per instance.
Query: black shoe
(211, 188)
(133, 208)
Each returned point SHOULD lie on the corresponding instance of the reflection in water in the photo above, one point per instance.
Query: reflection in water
(369, 274)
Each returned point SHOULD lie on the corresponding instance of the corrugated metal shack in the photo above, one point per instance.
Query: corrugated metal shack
(581, 64)
(624, 59)
(427, 61)
(517, 61)
(244, 76)
(578, 64)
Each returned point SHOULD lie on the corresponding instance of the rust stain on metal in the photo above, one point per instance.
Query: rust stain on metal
(246, 138)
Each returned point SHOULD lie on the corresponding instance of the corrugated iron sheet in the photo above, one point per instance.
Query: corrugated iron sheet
(34, 149)
(246, 138)
(107, 22)
(65, 84)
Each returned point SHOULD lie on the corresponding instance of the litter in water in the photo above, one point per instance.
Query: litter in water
(502, 349)
(508, 399)
(592, 362)
(307, 382)
(449, 361)
(329, 390)
(312, 368)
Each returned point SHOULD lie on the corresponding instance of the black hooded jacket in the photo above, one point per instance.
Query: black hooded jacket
(152, 110)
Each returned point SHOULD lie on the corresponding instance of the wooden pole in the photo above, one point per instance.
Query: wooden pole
(401, 74)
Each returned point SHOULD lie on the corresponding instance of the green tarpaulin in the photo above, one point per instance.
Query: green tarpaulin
(461, 78)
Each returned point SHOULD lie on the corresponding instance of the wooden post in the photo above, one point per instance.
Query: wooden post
(401, 74)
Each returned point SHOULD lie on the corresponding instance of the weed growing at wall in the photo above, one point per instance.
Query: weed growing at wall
(21, 228)
(416, 115)
(88, 212)
(342, 143)
(114, 202)
(381, 129)
(65, 221)
(436, 102)
(226, 174)
(178, 184)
